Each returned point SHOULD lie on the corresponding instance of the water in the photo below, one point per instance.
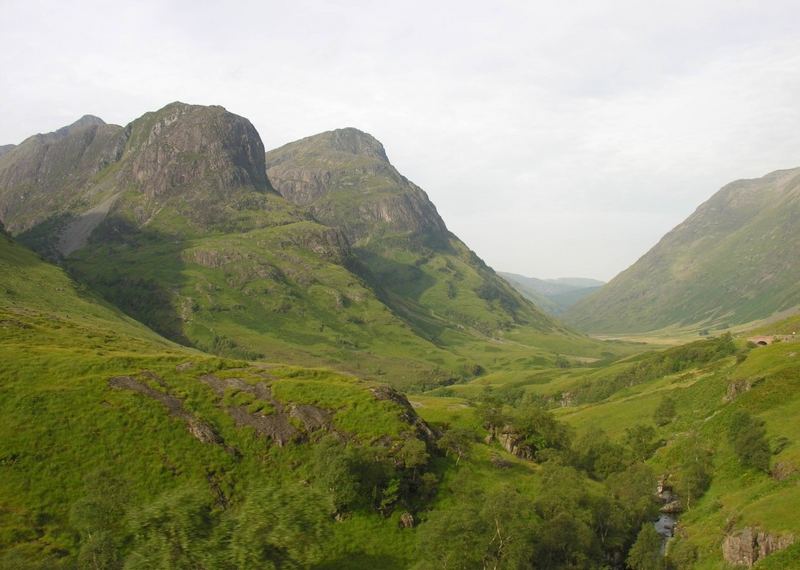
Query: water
(665, 526)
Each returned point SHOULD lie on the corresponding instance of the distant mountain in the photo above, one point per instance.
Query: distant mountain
(553, 296)
(6, 148)
(734, 260)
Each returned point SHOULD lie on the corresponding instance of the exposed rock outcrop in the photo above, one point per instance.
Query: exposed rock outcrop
(749, 545)
(183, 146)
(740, 386)
(199, 429)
(511, 441)
(337, 172)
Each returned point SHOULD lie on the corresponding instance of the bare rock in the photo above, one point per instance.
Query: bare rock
(406, 520)
(672, 507)
(749, 545)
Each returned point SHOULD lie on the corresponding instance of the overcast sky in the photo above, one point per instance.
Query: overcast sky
(555, 138)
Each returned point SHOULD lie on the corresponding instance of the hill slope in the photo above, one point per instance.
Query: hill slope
(734, 260)
(117, 445)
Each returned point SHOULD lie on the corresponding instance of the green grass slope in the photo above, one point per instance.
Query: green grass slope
(118, 446)
(732, 261)
(706, 398)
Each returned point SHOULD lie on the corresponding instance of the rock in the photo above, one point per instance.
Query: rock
(783, 470)
(511, 441)
(749, 545)
(499, 462)
(672, 507)
(737, 388)
(183, 367)
(406, 520)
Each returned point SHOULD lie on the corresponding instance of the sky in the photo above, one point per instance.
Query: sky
(555, 138)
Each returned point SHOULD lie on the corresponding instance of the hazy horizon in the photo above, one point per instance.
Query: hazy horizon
(555, 141)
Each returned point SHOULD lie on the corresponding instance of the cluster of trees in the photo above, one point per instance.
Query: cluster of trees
(568, 525)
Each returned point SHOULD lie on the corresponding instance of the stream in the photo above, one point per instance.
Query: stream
(665, 526)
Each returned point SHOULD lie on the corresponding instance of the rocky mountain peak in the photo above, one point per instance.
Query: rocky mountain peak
(353, 141)
(346, 178)
(183, 145)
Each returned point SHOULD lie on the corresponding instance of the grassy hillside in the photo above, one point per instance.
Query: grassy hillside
(119, 445)
(732, 261)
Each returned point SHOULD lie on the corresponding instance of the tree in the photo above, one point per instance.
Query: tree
(748, 436)
(458, 442)
(596, 454)
(645, 554)
(482, 530)
(413, 454)
(541, 430)
(665, 412)
(336, 469)
(695, 470)
(640, 440)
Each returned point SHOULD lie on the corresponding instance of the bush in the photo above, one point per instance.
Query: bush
(748, 436)
(665, 412)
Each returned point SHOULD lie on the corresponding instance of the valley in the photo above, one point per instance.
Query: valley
(217, 356)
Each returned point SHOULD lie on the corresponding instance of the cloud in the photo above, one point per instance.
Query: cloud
(554, 138)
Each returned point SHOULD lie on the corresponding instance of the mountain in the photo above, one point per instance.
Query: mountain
(553, 296)
(734, 260)
(424, 272)
(6, 148)
(173, 219)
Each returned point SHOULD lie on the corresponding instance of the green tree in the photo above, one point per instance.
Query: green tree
(639, 439)
(748, 436)
(665, 412)
(645, 554)
(483, 530)
(336, 469)
(682, 554)
(596, 454)
(457, 442)
(695, 471)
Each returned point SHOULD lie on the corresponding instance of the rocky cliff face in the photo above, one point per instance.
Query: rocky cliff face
(185, 161)
(48, 172)
(345, 177)
(749, 545)
(181, 146)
